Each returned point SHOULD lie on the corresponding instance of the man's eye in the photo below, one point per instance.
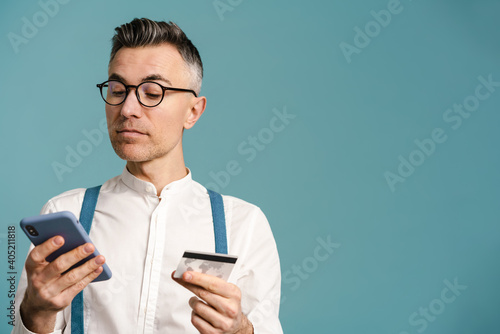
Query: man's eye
(153, 96)
(118, 93)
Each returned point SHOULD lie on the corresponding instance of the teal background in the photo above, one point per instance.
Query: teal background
(323, 175)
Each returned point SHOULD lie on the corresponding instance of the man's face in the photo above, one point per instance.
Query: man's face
(140, 133)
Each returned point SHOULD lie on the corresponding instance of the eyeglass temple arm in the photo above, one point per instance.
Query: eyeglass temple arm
(180, 90)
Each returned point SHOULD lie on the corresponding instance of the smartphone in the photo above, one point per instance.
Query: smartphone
(41, 228)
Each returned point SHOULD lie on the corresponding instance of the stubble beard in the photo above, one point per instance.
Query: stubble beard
(135, 151)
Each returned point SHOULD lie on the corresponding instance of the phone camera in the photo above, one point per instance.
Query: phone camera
(31, 230)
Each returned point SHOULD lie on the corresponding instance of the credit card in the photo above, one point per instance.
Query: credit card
(218, 265)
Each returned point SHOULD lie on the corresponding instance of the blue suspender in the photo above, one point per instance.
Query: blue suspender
(219, 222)
(88, 207)
(87, 215)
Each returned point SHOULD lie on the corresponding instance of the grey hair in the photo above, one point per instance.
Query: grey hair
(146, 32)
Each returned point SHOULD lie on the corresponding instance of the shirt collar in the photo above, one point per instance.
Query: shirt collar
(148, 188)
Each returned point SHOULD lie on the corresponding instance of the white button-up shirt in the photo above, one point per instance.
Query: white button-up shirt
(143, 238)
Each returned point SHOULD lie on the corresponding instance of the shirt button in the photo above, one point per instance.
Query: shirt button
(151, 189)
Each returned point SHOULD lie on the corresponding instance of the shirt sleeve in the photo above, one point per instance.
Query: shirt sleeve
(259, 275)
(19, 327)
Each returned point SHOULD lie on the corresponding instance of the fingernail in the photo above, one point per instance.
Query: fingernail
(88, 248)
(58, 241)
(188, 277)
(99, 260)
(98, 270)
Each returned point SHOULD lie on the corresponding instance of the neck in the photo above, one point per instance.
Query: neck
(160, 171)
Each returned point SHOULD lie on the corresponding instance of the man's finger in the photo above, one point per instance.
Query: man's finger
(209, 314)
(208, 282)
(191, 287)
(38, 255)
(73, 290)
(201, 324)
(74, 276)
(216, 301)
(66, 261)
(225, 305)
(77, 274)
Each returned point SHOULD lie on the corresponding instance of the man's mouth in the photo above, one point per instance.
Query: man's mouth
(130, 132)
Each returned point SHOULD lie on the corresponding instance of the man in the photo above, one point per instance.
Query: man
(149, 215)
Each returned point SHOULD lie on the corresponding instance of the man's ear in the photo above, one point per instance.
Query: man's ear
(195, 112)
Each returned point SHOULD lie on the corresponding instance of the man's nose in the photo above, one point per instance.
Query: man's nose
(131, 106)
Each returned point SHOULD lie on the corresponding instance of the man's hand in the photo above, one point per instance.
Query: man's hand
(219, 310)
(48, 290)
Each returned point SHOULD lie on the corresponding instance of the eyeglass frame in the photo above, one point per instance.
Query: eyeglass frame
(127, 88)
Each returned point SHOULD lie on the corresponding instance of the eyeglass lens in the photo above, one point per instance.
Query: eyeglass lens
(115, 92)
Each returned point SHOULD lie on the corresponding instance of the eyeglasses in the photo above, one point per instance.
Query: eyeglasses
(149, 93)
